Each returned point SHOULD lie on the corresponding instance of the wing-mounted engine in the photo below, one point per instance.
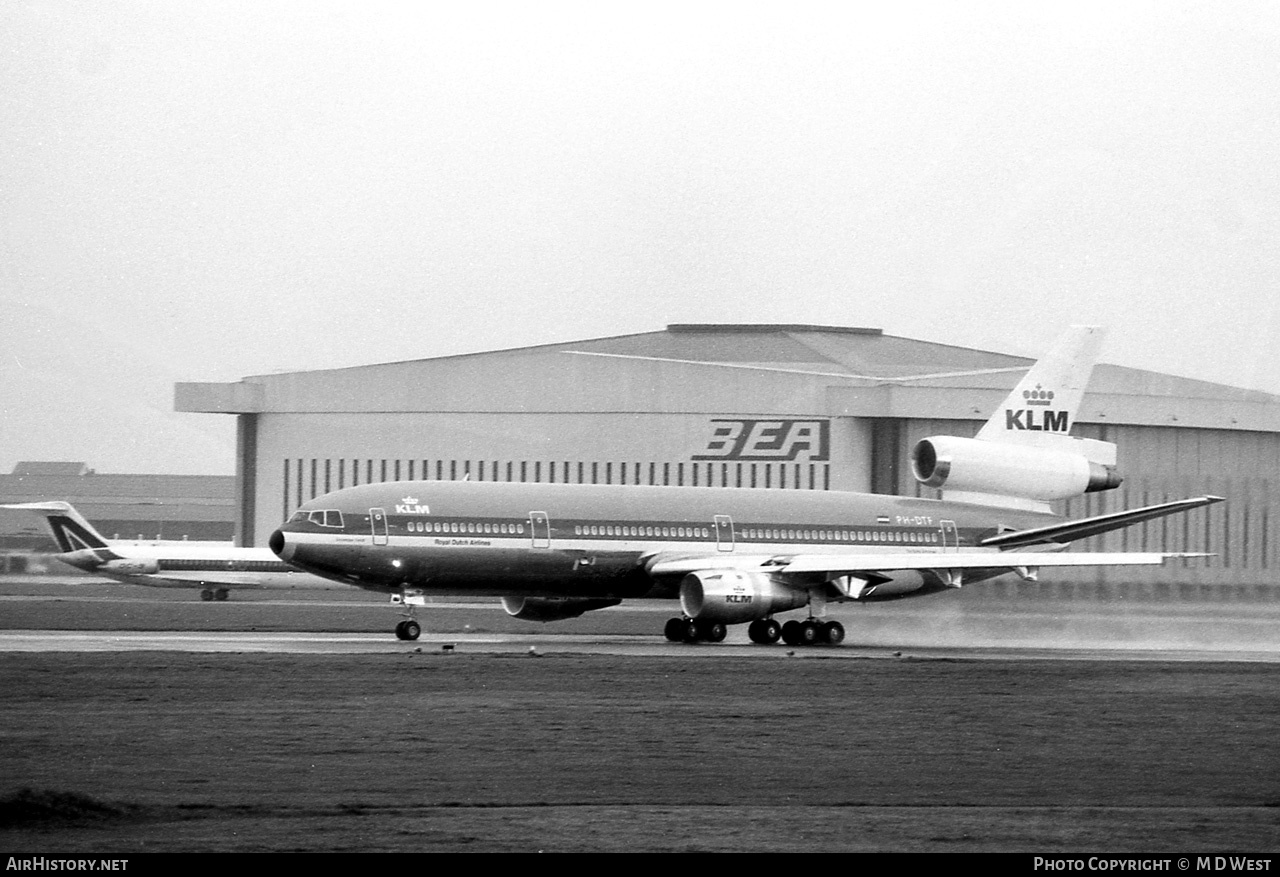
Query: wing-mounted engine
(551, 608)
(733, 596)
(995, 469)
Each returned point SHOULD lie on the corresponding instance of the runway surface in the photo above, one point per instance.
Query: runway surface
(44, 614)
(144, 720)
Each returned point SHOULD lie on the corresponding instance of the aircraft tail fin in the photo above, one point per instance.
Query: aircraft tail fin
(1042, 407)
(1025, 456)
(67, 526)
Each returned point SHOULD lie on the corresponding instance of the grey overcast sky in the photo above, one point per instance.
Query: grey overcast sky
(205, 191)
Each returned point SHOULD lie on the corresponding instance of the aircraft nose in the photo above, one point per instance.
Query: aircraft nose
(282, 546)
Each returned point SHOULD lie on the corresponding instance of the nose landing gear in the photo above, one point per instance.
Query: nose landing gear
(409, 629)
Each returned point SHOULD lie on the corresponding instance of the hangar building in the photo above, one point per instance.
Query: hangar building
(775, 407)
(197, 507)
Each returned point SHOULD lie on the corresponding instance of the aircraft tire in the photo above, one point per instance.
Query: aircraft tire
(691, 634)
(715, 633)
(771, 630)
(412, 630)
(206, 595)
(833, 633)
(764, 631)
(810, 633)
(220, 594)
(674, 630)
(791, 633)
(399, 630)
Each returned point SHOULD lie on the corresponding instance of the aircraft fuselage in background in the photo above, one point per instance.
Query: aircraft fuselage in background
(214, 567)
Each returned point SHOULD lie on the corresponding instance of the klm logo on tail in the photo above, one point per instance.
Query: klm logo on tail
(1040, 418)
(1049, 421)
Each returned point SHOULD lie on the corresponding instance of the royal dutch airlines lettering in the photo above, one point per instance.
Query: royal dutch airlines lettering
(767, 440)
(742, 556)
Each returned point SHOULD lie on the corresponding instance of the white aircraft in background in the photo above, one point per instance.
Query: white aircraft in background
(732, 555)
(215, 567)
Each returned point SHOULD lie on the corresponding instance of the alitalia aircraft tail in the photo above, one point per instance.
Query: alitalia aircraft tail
(1024, 456)
(67, 526)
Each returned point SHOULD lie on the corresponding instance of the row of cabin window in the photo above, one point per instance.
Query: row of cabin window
(326, 475)
(915, 536)
(456, 527)
(910, 536)
(641, 532)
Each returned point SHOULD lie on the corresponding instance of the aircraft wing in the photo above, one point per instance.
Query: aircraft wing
(875, 562)
(1069, 531)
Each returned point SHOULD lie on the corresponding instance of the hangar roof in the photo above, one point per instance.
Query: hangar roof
(722, 368)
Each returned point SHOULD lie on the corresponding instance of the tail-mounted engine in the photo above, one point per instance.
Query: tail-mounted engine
(551, 608)
(999, 469)
(732, 597)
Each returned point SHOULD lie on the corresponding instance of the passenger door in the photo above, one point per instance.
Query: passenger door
(540, 526)
(724, 533)
(950, 536)
(378, 523)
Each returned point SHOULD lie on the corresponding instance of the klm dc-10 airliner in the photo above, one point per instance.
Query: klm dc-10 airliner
(732, 555)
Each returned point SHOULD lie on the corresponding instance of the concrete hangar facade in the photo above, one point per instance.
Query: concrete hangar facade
(775, 407)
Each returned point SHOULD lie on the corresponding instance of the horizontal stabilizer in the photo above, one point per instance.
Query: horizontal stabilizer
(1069, 531)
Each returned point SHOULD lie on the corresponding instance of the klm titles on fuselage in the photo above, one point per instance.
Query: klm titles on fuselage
(410, 506)
(1036, 421)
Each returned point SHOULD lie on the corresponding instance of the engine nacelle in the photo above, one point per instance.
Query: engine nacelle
(1007, 470)
(131, 567)
(733, 597)
(551, 608)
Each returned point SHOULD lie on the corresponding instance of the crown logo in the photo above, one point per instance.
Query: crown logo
(410, 500)
(1038, 396)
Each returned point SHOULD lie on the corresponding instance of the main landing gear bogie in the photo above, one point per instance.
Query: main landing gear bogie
(765, 631)
(408, 630)
(213, 594)
(686, 630)
(812, 632)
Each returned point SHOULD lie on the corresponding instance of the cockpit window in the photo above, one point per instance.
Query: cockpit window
(325, 518)
(298, 516)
